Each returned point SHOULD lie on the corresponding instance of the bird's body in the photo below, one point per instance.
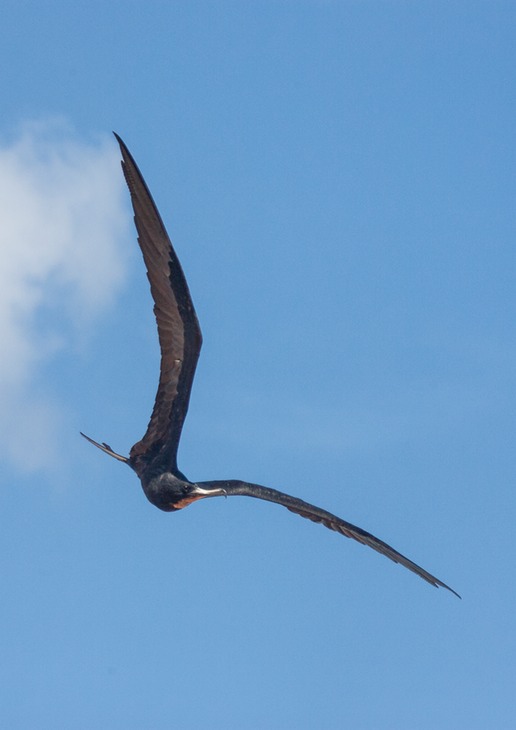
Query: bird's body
(154, 457)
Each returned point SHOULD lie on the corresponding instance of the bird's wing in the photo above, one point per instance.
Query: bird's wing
(178, 329)
(235, 487)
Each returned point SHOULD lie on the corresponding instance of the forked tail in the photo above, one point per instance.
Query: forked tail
(105, 448)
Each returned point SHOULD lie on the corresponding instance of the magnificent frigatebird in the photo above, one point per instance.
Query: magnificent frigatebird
(154, 458)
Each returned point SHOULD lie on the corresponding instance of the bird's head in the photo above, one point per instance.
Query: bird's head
(169, 493)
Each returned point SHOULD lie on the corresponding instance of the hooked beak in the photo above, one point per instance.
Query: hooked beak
(199, 493)
(194, 494)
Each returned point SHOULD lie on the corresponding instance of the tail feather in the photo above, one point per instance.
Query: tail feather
(105, 448)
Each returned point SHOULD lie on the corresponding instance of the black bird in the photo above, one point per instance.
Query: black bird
(154, 458)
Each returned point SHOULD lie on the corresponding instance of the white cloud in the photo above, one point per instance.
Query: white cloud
(62, 216)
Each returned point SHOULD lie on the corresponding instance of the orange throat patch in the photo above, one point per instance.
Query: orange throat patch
(185, 502)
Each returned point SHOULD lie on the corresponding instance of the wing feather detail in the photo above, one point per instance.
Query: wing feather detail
(329, 520)
(179, 333)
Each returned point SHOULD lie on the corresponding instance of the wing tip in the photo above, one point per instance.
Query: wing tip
(123, 148)
(440, 584)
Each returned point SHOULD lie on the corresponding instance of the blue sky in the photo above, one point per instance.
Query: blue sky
(338, 180)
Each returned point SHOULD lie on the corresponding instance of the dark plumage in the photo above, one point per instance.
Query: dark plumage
(154, 458)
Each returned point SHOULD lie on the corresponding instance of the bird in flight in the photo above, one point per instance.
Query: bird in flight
(154, 458)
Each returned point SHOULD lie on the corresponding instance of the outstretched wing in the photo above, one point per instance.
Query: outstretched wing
(178, 329)
(235, 487)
